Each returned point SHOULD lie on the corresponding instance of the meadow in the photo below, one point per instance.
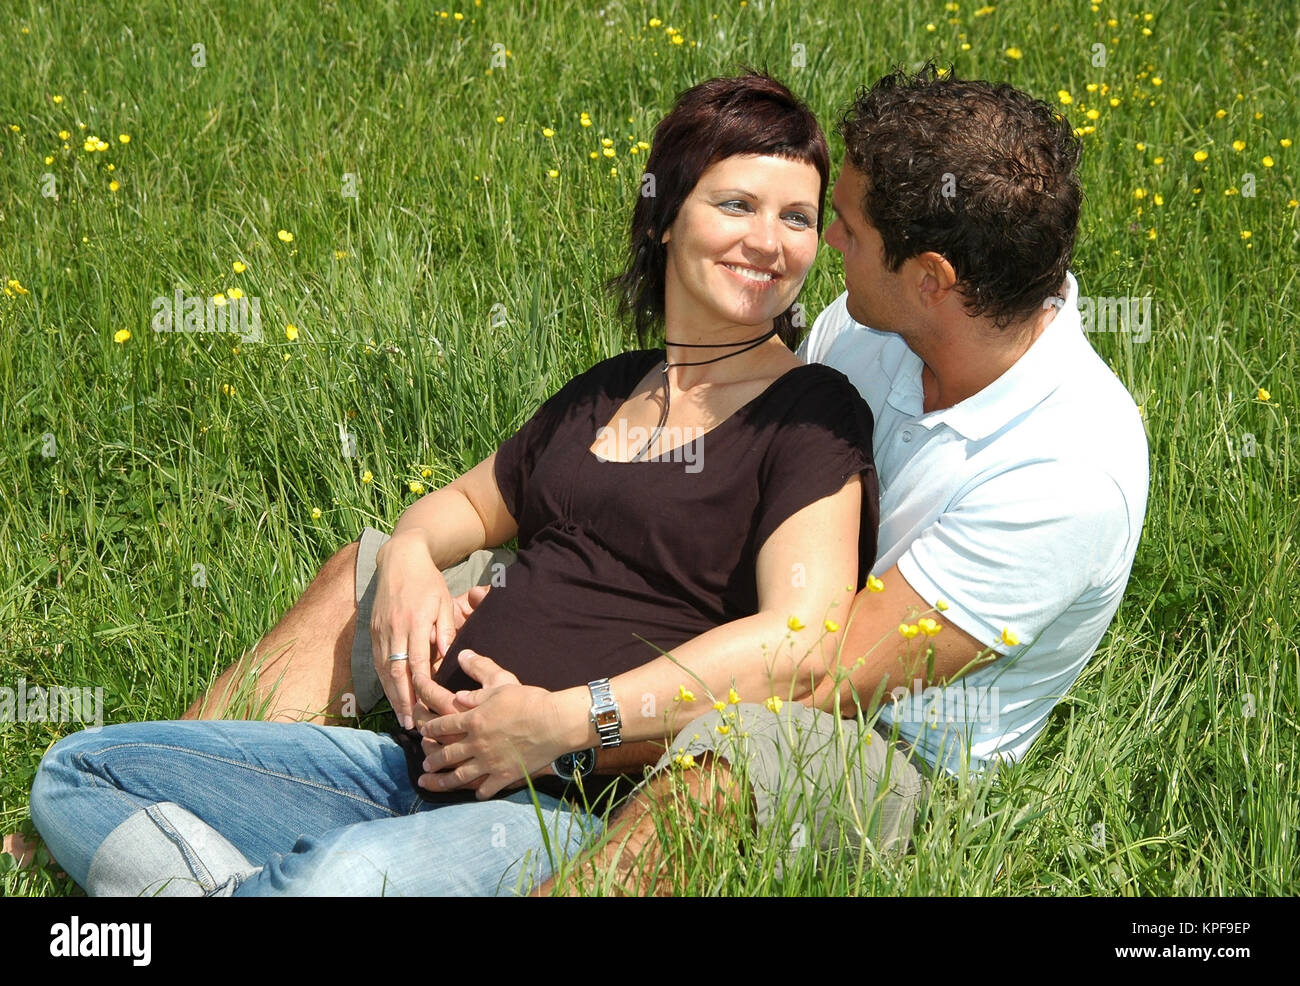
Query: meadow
(425, 202)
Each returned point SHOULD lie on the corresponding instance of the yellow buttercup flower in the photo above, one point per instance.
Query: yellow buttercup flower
(415, 486)
(655, 22)
(284, 236)
(219, 299)
(684, 694)
(1139, 193)
(291, 331)
(1200, 156)
(1285, 141)
(49, 159)
(794, 623)
(1246, 234)
(874, 584)
(367, 476)
(64, 135)
(228, 389)
(606, 142)
(908, 630)
(1009, 638)
(238, 267)
(940, 605)
(1238, 145)
(684, 760)
(1014, 53)
(234, 293)
(1263, 395)
(1220, 114)
(552, 174)
(315, 513)
(121, 335)
(547, 132)
(124, 138)
(1114, 101)
(1064, 96)
(340, 254)
(114, 185)
(501, 119)
(56, 99)
(831, 626)
(1267, 161)
(928, 626)
(1093, 114)
(732, 697)
(723, 729)
(719, 705)
(1158, 199)
(773, 704)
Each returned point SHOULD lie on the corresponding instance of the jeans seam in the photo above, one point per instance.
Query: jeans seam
(197, 867)
(241, 763)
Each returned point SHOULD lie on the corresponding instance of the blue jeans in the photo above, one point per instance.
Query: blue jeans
(277, 809)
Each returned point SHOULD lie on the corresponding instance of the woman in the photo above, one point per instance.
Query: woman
(626, 551)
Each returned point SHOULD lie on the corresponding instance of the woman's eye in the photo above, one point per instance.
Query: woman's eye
(735, 205)
(799, 218)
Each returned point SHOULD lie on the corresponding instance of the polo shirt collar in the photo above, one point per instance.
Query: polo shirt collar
(1025, 384)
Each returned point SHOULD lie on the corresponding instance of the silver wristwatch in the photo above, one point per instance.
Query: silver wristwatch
(604, 713)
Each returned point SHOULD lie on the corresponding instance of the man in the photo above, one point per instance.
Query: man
(1013, 480)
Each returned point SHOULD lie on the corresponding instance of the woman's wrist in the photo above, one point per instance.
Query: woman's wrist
(573, 714)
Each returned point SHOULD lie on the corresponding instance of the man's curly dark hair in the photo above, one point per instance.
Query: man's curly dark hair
(978, 172)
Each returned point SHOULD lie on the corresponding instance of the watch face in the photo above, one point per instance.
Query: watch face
(584, 762)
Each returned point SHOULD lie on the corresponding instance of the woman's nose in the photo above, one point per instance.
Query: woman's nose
(764, 234)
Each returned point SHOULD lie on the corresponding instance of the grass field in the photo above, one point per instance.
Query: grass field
(164, 497)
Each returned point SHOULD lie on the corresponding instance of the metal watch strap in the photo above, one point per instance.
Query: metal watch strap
(604, 713)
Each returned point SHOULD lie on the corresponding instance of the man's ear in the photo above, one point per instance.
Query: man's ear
(936, 277)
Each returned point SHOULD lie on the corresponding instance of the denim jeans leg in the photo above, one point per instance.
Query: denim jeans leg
(202, 807)
(499, 847)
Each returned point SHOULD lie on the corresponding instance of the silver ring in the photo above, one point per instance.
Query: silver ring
(399, 656)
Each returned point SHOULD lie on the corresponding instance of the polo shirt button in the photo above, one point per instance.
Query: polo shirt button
(907, 436)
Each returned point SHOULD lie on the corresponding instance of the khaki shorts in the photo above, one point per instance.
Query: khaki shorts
(477, 569)
(835, 782)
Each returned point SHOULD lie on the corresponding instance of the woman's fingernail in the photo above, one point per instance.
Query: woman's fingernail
(408, 722)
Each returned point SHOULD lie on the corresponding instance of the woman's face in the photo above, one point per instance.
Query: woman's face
(741, 244)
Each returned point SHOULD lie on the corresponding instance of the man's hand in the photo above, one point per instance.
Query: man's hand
(508, 731)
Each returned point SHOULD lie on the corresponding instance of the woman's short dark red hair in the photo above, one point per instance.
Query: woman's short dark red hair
(751, 113)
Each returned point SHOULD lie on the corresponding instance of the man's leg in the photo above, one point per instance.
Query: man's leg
(187, 808)
(302, 668)
(315, 665)
(629, 860)
(833, 783)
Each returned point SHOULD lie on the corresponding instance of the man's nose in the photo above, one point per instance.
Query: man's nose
(832, 235)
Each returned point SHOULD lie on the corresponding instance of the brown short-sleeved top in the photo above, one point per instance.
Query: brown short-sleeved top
(613, 552)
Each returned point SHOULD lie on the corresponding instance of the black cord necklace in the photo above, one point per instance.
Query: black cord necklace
(668, 390)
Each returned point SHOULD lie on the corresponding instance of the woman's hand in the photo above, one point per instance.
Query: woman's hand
(509, 731)
(413, 613)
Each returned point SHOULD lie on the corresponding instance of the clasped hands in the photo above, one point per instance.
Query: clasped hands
(484, 740)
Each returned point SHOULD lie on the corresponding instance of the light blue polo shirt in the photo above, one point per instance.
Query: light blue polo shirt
(1020, 507)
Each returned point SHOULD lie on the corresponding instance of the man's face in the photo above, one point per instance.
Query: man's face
(874, 291)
